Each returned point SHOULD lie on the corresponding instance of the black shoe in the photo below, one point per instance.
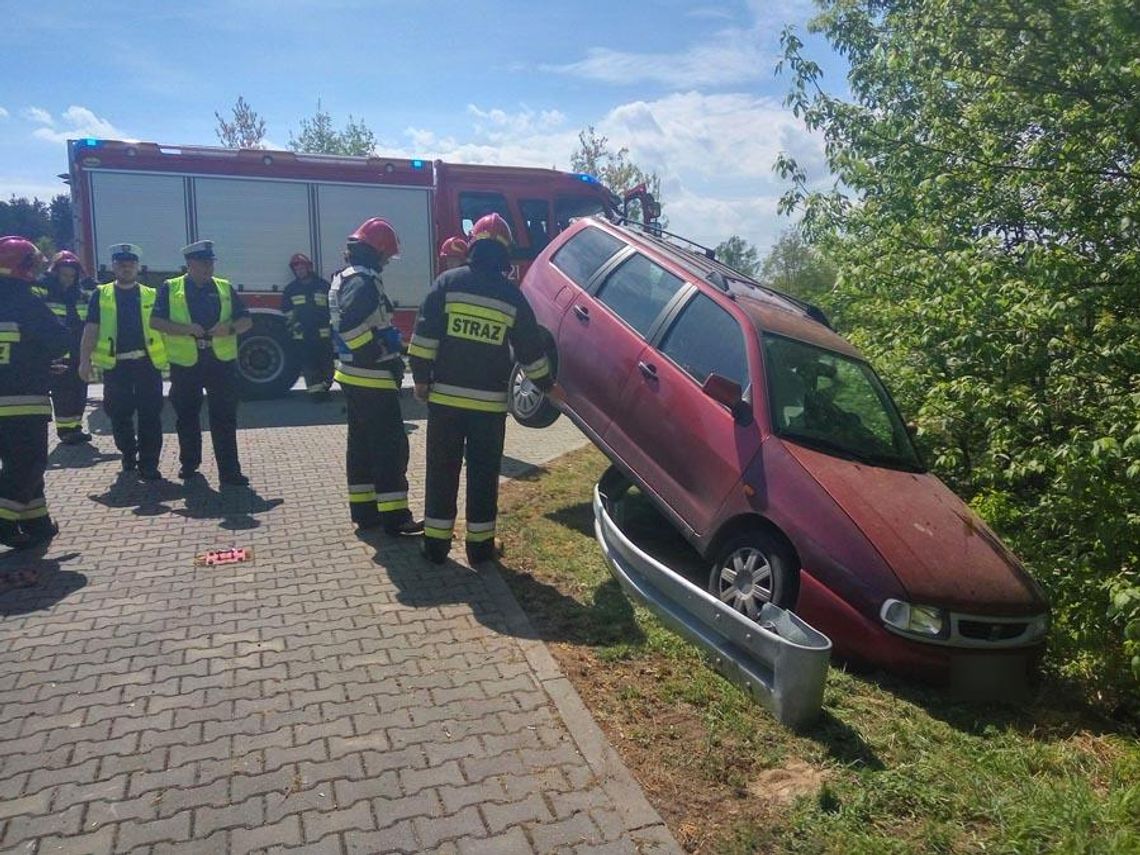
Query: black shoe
(40, 535)
(405, 528)
(477, 553)
(129, 464)
(74, 437)
(434, 554)
(14, 539)
(234, 480)
(368, 525)
(188, 472)
(150, 473)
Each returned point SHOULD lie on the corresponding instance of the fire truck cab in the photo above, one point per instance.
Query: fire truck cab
(260, 206)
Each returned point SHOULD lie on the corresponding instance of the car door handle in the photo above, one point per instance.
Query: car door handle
(648, 370)
(582, 312)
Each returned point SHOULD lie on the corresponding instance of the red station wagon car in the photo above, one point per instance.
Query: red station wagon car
(773, 447)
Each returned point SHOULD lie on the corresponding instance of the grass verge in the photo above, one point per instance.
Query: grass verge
(888, 768)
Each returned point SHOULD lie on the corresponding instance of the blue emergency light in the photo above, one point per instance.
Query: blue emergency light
(589, 179)
(417, 164)
(89, 142)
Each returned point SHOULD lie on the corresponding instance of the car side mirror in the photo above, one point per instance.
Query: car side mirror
(728, 392)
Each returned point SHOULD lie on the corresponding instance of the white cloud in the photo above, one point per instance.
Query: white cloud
(77, 122)
(714, 154)
(733, 56)
(38, 115)
(3, 113)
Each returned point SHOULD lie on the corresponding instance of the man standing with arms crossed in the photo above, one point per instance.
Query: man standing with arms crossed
(118, 338)
(201, 317)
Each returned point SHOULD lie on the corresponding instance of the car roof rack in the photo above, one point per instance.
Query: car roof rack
(701, 261)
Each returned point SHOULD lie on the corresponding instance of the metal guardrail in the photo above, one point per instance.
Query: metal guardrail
(780, 660)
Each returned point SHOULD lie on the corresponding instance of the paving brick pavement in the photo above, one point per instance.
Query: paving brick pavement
(334, 695)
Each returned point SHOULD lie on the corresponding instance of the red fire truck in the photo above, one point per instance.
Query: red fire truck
(260, 207)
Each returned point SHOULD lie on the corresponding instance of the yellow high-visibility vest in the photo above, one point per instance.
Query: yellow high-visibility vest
(183, 349)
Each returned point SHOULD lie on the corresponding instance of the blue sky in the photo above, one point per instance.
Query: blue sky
(687, 86)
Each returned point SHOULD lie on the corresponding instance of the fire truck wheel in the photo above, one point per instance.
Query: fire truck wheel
(267, 361)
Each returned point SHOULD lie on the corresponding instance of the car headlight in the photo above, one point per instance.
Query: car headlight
(921, 621)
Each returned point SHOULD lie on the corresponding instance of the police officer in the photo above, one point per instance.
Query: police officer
(461, 361)
(30, 338)
(201, 317)
(370, 370)
(305, 302)
(67, 292)
(118, 339)
(452, 254)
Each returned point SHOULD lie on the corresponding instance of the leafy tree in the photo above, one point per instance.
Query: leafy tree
(739, 254)
(62, 225)
(246, 130)
(28, 218)
(986, 223)
(319, 136)
(795, 267)
(614, 168)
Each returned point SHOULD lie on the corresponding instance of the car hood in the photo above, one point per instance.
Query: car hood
(940, 550)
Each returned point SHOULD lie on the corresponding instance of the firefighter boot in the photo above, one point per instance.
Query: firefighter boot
(403, 527)
(434, 550)
(38, 531)
(10, 535)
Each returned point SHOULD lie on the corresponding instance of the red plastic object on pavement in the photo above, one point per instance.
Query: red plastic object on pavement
(224, 556)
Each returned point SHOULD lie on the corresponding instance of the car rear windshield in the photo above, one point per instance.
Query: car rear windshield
(835, 404)
(584, 253)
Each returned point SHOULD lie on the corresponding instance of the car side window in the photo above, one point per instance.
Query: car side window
(704, 340)
(638, 290)
(582, 255)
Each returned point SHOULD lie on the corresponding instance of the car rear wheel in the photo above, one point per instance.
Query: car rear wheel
(527, 403)
(751, 569)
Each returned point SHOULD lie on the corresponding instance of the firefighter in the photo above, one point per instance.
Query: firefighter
(66, 292)
(305, 302)
(461, 360)
(452, 254)
(31, 337)
(117, 338)
(370, 370)
(201, 317)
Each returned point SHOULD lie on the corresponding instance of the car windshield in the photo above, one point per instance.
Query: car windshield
(835, 404)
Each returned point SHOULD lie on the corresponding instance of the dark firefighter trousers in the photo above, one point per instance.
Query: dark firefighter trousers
(69, 397)
(376, 457)
(217, 382)
(316, 362)
(450, 432)
(23, 460)
(134, 387)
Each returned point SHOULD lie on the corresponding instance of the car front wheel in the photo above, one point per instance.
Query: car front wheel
(751, 569)
(527, 403)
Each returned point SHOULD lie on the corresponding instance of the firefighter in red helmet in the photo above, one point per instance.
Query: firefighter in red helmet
(461, 356)
(370, 370)
(67, 292)
(452, 254)
(305, 302)
(31, 337)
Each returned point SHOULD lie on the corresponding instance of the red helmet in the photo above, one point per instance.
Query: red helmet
(300, 258)
(378, 234)
(64, 257)
(19, 258)
(453, 247)
(491, 226)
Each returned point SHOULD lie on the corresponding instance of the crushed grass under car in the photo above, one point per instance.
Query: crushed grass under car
(889, 767)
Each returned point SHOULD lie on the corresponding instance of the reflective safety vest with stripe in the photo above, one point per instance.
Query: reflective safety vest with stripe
(183, 349)
(105, 355)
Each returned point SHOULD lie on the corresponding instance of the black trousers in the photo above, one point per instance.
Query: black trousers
(217, 382)
(68, 397)
(23, 460)
(376, 457)
(451, 431)
(134, 387)
(316, 362)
